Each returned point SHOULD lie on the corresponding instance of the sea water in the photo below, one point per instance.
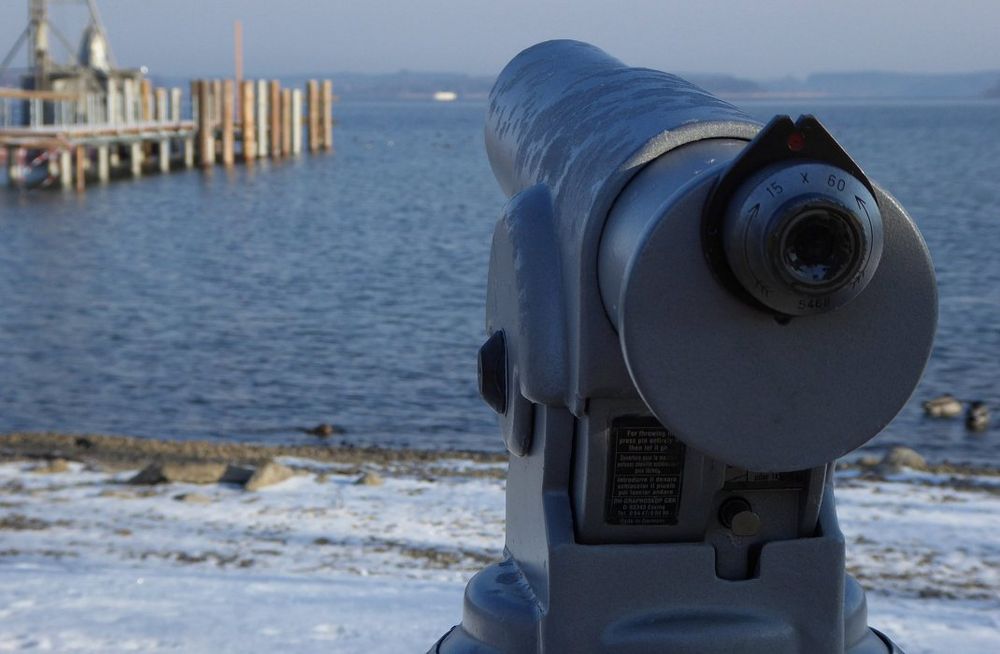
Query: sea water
(348, 288)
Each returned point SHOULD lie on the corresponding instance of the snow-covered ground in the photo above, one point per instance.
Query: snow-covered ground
(322, 564)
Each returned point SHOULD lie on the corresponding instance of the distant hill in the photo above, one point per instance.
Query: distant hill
(407, 85)
(724, 84)
(887, 85)
(412, 85)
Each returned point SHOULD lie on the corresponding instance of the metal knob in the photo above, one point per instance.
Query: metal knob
(738, 516)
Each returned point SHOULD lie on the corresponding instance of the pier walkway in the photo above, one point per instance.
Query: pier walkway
(49, 137)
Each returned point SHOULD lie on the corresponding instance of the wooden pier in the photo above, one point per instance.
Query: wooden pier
(70, 139)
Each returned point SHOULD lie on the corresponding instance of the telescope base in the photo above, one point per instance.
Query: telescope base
(502, 617)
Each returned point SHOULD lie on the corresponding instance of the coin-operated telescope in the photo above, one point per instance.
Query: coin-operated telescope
(691, 317)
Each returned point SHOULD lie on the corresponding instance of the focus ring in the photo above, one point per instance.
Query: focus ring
(804, 238)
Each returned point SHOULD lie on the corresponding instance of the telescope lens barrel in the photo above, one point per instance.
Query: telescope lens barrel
(819, 246)
(803, 238)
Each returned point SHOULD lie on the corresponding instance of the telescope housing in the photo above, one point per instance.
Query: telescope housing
(690, 317)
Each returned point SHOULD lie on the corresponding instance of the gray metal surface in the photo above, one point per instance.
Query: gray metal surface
(610, 312)
(566, 115)
(710, 367)
(552, 594)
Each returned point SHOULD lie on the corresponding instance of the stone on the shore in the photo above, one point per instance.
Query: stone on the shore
(901, 457)
(267, 475)
(193, 498)
(869, 461)
(369, 479)
(151, 474)
(54, 466)
(238, 475)
(188, 473)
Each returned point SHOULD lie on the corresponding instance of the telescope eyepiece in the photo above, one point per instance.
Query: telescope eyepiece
(818, 247)
(803, 238)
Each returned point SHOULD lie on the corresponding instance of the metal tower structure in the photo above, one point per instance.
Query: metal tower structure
(36, 34)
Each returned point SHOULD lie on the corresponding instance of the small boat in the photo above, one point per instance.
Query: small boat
(445, 96)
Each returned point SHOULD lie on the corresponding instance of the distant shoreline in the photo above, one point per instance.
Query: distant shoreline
(128, 452)
(124, 452)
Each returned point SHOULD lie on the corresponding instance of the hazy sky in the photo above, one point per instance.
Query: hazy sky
(757, 39)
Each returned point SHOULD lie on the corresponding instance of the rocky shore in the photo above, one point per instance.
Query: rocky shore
(127, 451)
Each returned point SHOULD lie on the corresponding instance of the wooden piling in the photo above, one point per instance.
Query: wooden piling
(81, 168)
(262, 123)
(286, 121)
(297, 121)
(206, 133)
(327, 120)
(163, 157)
(275, 107)
(128, 100)
(238, 57)
(135, 158)
(249, 127)
(65, 168)
(146, 111)
(195, 101)
(207, 107)
(227, 123)
(189, 152)
(103, 164)
(146, 100)
(216, 103)
(162, 114)
(312, 89)
(176, 98)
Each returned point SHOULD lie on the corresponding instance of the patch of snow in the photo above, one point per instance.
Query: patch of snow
(321, 564)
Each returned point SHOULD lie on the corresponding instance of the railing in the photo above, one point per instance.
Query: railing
(124, 104)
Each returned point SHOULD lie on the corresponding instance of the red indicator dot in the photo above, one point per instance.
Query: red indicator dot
(796, 141)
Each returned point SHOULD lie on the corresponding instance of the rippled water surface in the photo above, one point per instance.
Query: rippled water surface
(349, 288)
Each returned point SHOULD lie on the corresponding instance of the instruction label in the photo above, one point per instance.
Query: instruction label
(645, 470)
